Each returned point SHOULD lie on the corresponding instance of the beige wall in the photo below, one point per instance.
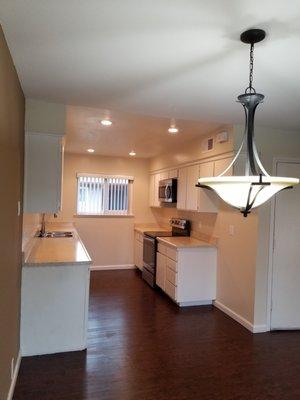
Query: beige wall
(236, 254)
(11, 176)
(109, 240)
(272, 143)
(192, 151)
(44, 117)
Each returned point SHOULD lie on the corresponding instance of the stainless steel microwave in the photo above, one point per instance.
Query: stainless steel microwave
(167, 191)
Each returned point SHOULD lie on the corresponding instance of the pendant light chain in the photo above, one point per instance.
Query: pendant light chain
(250, 88)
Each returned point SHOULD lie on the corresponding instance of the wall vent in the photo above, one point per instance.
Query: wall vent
(208, 144)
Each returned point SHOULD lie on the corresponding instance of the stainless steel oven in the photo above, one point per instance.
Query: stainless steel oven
(167, 191)
(149, 259)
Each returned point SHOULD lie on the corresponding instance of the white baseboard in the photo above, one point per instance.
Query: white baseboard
(195, 303)
(15, 376)
(243, 321)
(51, 350)
(260, 328)
(110, 267)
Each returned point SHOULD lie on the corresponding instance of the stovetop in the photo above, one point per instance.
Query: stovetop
(155, 234)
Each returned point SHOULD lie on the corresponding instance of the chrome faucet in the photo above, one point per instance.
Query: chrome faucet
(43, 226)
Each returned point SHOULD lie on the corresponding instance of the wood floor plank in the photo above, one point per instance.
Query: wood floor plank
(141, 346)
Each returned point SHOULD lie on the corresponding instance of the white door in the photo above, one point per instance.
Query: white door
(285, 312)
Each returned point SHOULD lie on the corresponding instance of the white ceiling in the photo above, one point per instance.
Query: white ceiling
(179, 58)
(148, 136)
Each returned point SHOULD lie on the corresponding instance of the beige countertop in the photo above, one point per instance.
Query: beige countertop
(181, 242)
(57, 251)
(151, 228)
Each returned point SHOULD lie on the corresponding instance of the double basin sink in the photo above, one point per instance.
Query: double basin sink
(54, 234)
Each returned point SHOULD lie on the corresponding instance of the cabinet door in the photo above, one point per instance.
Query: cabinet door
(156, 185)
(207, 200)
(221, 165)
(151, 190)
(161, 266)
(182, 188)
(43, 173)
(192, 191)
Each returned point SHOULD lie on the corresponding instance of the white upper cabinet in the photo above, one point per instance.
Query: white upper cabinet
(187, 193)
(190, 197)
(173, 173)
(163, 175)
(151, 190)
(207, 200)
(182, 188)
(43, 173)
(157, 178)
(221, 165)
(192, 192)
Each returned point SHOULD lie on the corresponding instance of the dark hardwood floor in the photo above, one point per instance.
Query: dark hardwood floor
(141, 346)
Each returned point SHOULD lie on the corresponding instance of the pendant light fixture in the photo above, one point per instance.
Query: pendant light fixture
(256, 186)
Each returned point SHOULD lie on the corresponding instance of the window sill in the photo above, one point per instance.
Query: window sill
(103, 216)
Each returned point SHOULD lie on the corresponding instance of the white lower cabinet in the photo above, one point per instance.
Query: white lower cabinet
(187, 275)
(161, 265)
(138, 250)
(54, 308)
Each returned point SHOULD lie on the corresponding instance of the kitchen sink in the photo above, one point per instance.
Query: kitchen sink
(55, 234)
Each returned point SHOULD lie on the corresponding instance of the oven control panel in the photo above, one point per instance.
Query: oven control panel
(180, 223)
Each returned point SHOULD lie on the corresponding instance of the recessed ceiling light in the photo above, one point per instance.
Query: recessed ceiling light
(106, 122)
(173, 129)
(132, 153)
(90, 150)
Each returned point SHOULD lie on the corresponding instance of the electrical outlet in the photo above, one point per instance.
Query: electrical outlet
(231, 230)
(12, 368)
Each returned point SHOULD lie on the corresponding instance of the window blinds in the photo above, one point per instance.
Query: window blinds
(102, 195)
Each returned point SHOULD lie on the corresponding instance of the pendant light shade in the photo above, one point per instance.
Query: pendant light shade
(256, 186)
(246, 192)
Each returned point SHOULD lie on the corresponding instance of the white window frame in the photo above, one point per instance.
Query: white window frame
(106, 213)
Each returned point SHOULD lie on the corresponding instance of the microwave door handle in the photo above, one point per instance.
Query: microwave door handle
(168, 192)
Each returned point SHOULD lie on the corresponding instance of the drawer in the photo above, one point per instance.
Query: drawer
(162, 249)
(171, 276)
(172, 253)
(171, 290)
(139, 236)
(172, 264)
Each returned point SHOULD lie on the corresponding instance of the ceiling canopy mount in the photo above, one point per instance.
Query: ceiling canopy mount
(252, 36)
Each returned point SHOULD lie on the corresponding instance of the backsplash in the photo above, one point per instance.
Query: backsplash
(204, 226)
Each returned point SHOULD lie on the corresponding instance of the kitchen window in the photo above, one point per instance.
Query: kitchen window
(104, 194)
